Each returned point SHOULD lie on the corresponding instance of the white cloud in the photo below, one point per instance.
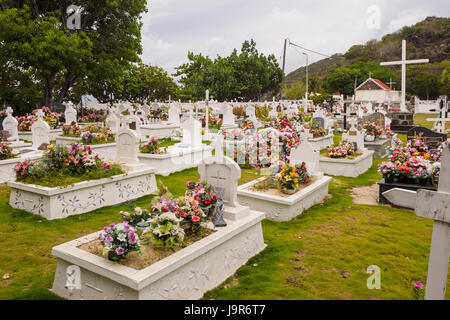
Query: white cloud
(174, 27)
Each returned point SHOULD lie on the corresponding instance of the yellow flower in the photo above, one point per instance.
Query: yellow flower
(51, 147)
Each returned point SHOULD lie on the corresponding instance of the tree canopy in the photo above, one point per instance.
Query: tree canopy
(38, 48)
(247, 75)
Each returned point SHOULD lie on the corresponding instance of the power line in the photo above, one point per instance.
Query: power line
(322, 54)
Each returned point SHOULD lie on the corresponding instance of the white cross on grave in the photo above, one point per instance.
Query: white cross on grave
(403, 63)
(40, 114)
(9, 111)
(436, 206)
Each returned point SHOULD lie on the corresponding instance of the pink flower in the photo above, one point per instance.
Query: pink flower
(195, 219)
(120, 251)
(418, 284)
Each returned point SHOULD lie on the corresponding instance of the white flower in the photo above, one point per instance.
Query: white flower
(138, 211)
(122, 237)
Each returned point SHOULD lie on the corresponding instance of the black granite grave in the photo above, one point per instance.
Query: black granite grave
(431, 138)
(385, 186)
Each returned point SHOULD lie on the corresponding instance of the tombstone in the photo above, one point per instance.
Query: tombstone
(222, 172)
(192, 133)
(133, 122)
(40, 131)
(174, 115)
(70, 114)
(10, 125)
(305, 153)
(250, 112)
(320, 119)
(430, 138)
(355, 136)
(433, 205)
(127, 148)
(228, 116)
(376, 117)
(113, 122)
(273, 114)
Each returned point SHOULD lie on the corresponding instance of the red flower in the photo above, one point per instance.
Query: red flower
(214, 198)
(207, 200)
(195, 219)
(196, 197)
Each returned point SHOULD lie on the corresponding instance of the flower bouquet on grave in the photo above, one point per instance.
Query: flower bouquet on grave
(344, 149)
(118, 240)
(318, 132)
(25, 122)
(389, 171)
(72, 130)
(417, 148)
(372, 130)
(192, 215)
(291, 177)
(165, 230)
(247, 125)
(151, 147)
(203, 193)
(137, 218)
(6, 152)
(96, 135)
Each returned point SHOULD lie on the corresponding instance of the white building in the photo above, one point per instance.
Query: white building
(375, 91)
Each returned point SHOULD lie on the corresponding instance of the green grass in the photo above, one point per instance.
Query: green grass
(420, 119)
(322, 254)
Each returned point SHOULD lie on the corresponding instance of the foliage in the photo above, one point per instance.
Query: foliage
(61, 166)
(344, 149)
(6, 152)
(152, 146)
(53, 119)
(54, 63)
(247, 75)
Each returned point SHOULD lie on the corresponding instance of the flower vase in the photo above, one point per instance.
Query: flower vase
(206, 211)
(289, 191)
(369, 138)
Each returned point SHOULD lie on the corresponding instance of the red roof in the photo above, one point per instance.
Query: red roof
(381, 84)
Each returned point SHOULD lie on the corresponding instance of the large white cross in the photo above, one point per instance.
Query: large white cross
(436, 206)
(403, 63)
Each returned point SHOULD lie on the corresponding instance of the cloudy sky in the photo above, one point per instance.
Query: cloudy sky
(214, 27)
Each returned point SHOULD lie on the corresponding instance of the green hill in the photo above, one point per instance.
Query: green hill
(429, 38)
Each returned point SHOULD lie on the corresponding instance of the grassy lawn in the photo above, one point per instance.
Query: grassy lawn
(420, 119)
(322, 254)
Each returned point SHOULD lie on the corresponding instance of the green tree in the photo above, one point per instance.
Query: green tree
(35, 38)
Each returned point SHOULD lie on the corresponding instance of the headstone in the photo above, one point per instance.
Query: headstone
(353, 135)
(70, 114)
(134, 122)
(376, 117)
(222, 172)
(430, 138)
(192, 133)
(127, 146)
(113, 122)
(305, 153)
(228, 116)
(10, 125)
(174, 114)
(40, 131)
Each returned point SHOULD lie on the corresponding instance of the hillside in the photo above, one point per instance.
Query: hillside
(429, 38)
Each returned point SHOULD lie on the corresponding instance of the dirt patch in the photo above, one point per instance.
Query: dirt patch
(148, 254)
(262, 187)
(366, 195)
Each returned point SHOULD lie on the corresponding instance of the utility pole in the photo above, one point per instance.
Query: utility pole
(307, 62)
(284, 65)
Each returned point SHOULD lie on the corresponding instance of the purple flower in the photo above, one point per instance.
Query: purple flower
(120, 251)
